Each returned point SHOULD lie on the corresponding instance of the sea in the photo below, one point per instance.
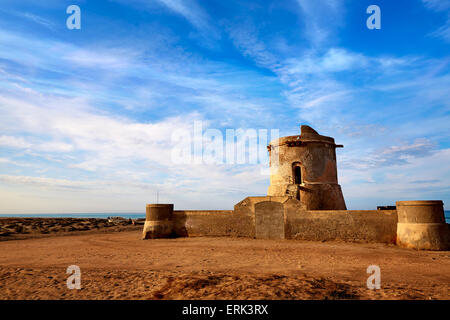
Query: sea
(106, 215)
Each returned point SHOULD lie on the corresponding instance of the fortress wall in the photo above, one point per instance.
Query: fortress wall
(348, 225)
(254, 218)
(188, 223)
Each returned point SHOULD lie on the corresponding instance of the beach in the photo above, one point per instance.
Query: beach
(15, 228)
(116, 264)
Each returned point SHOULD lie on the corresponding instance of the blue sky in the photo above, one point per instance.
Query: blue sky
(86, 116)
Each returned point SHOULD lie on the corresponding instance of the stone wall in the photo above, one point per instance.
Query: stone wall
(189, 223)
(325, 225)
(346, 225)
(269, 220)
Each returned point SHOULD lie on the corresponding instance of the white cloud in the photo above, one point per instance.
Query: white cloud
(443, 32)
(334, 60)
(188, 9)
(13, 142)
(21, 143)
(95, 58)
(55, 147)
(74, 121)
(191, 10)
(131, 154)
(47, 182)
(114, 161)
(321, 19)
(16, 163)
(438, 5)
(392, 155)
(39, 20)
(245, 39)
(65, 58)
(421, 178)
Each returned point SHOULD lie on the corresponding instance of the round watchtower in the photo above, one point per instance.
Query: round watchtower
(421, 225)
(158, 221)
(304, 167)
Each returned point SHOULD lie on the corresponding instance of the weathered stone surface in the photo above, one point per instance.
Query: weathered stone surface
(269, 220)
(421, 225)
(317, 185)
(305, 201)
(345, 225)
(247, 206)
(426, 211)
(158, 221)
(189, 223)
(157, 229)
(423, 236)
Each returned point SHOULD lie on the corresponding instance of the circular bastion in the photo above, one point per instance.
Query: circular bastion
(158, 221)
(421, 225)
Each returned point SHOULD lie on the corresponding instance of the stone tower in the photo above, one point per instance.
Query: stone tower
(304, 167)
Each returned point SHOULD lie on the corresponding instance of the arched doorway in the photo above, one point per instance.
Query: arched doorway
(297, 173)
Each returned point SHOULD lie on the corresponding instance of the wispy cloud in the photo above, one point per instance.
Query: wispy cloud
(86, 120)
(421, 177)
(392, 156)
(332, 89)
(13, 142)
(245, 37)
(115, 148)
(440, 6)
(334, 60)
(39, 20)
(205, 30)
(189, 10)
(114, 59)
(321, 19)
(444, 31)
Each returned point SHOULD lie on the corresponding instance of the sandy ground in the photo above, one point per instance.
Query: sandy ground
(119, 265)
